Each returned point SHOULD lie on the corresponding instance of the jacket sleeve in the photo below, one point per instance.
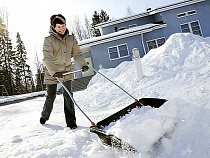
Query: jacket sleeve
(77, 54)
(48, 57)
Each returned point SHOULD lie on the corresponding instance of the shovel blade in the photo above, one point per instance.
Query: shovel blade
(153, 102)
(111, 140)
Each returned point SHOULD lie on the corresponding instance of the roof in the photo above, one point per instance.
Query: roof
(149, 12)
(120, 34)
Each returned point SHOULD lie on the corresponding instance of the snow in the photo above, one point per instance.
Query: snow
(5, 99)
(178, 71)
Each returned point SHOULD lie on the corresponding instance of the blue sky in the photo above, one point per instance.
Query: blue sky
(31, 17)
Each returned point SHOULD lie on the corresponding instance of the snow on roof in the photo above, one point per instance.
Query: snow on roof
(127, 18)
(142, 28)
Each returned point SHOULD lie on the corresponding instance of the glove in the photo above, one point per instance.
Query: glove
(85, 68)
(58, 74)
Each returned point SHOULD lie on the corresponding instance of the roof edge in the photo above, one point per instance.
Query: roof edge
(120, 36)
(150, 12)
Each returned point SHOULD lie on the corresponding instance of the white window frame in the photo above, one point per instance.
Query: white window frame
(192, 11)
(179, 15)
(156, 39)
(118, 52)
(133, 25)
(190, 27)
(186, 13)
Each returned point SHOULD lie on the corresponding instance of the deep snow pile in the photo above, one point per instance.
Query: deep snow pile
(178, 71)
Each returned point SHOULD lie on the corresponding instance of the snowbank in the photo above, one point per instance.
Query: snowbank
(178, 71)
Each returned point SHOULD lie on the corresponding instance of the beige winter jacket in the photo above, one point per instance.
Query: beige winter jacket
(57, 54)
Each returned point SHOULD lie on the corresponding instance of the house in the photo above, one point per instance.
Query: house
(144, 31)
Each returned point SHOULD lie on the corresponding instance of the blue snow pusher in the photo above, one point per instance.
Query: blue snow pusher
(111, 140)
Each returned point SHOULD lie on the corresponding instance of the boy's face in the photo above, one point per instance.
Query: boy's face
(60, 28)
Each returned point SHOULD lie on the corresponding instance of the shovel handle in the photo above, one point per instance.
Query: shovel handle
(71, 72)
(116, 85)
(71, 96)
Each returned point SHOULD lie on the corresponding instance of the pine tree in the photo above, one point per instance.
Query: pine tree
(95, 20)
(7, 59)
(23, 68)
(98, 18)
(103, 16)
(18, 82)
(2, 61)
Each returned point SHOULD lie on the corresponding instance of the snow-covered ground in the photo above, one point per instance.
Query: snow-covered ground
(178, 71)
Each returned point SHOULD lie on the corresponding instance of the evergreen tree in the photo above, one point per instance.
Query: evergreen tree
(98, 18)
(2, 63)
(95, 20)
(103, 16)
(7, 59)
(18, 82)
(22, 67)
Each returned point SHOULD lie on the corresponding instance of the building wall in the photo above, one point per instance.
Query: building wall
(100, 55)
(173, 23)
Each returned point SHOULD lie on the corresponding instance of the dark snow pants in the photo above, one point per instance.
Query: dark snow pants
(68, 104)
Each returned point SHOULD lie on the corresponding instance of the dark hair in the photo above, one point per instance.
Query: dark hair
(57, 19)
(52, 18)
(60, 15)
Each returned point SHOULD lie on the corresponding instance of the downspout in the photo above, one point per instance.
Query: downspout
(142, 42)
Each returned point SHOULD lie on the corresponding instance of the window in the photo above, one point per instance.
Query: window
(192, 12)
(181, 15)
(188, 13)
(155, 43)
(191, 27)
(160, 41)
(133, 25)
(151, 44)
(113, 53)
(117, 52)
